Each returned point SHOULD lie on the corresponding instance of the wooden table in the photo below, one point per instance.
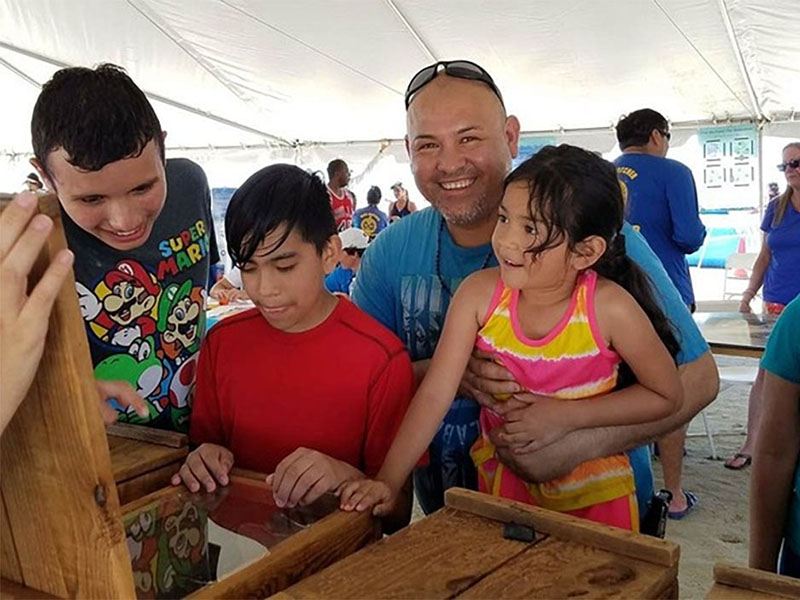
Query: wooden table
(736, 334)
(143, 459)
(460, 552)
(732, 582)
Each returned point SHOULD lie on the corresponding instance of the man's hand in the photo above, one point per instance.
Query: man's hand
(208, 465)
(305, 475)
(367, 493)
(124, 394)
(538, 423)
(485, 380)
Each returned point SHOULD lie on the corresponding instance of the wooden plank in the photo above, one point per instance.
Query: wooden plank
(726, 592)
(9, 563)
(566, 527)
(735, 351)
(558, 569)
(436, 557)
(306, 552)
(10, 590)
(57, 483)
(756, 581)
(131, 458)
(146, 483)
(161, 437)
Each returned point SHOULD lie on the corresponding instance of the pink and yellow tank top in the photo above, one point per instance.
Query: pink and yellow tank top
(572, 362)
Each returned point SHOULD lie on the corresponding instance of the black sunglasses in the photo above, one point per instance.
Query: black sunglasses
(792, 164)
(355, 251)
(666, 134)
(462, 69)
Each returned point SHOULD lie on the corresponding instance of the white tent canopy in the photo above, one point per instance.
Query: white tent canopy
(224, 73)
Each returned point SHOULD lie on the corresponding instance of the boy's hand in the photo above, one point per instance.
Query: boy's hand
(305, 475)
(124, 394)
(231, 295)
(208, 465)
(544, 421)
(366, 493)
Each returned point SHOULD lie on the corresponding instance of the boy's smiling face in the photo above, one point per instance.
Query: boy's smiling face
(286, 283)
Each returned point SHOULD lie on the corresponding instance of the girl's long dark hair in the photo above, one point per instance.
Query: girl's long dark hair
(576, 194)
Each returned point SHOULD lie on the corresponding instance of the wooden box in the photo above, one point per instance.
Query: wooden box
(62, 530)
(460, 552)
(732, 582)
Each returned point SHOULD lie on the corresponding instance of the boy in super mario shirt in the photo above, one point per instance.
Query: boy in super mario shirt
(141, 230)
(276, 387)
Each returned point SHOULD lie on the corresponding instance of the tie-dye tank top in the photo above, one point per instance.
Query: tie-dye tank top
(572, 362)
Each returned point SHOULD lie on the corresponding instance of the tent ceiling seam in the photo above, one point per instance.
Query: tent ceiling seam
(20, 73)
(309, 47)
(163, 99)
(704, 59)
(751, 91)
(417, 38)
(185, 47)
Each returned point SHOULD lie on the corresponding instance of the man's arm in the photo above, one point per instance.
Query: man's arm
(688, 232)
(700, 382)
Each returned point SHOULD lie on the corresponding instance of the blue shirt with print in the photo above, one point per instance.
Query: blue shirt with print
(662, 204)
(782, 278)
(398, 285)
(782, 358)
(371, 220)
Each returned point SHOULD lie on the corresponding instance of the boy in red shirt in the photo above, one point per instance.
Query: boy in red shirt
(276, 388)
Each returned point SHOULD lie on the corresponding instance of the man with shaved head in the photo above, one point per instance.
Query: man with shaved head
(461, 142)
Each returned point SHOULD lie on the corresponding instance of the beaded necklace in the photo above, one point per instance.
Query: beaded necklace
(439, 260)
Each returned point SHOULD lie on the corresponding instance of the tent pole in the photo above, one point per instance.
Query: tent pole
(163, 99)
(411, 30)
(760, 148)
(20, 73)
(737, 51)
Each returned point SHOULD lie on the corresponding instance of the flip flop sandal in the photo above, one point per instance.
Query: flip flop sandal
(691, 503)
(739, 455)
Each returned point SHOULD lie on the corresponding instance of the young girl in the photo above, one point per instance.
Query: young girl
(572, 317)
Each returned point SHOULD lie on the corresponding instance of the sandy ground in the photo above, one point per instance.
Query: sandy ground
(717, 529)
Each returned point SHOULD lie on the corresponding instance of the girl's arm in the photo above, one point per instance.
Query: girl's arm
(631, 334)
(774, 462)
(437, 390)
(757, 277)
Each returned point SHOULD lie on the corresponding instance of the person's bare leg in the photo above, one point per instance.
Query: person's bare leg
(753, 417)
(670, 450)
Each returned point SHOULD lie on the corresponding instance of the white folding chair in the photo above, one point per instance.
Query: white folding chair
(738, 267)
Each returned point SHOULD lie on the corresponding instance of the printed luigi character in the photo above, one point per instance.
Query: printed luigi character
(180, 320)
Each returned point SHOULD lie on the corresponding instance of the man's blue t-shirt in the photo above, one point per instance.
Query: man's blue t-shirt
(782, 279)
(339, 280)
(371, 220)
(662, 204)
(782, 358)
(398, 285)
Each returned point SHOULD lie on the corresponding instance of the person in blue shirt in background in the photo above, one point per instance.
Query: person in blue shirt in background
(354, 243)
(775, 482)
(371, 219)
(662, 197)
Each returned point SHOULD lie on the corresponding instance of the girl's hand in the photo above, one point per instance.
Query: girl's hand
(744, 306)
(545, 420)
(365, 493)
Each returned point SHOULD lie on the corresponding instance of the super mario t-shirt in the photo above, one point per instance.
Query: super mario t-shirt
(144, 309)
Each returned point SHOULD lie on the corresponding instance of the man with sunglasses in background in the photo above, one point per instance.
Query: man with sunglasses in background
(461, 142)
(354, 242)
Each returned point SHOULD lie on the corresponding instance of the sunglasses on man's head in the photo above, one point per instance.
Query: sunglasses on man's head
(355, 251)
(462, 69)
(792, 164)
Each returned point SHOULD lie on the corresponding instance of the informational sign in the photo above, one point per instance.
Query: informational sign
(531, 144)
(730, 166)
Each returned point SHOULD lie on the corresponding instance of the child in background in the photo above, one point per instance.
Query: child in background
(229, 287)
(572, 317)
(276, 388)
(354, 243)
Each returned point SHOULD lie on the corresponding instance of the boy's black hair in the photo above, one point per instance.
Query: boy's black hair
(374, 195)
(576, 194)
(98, 116)
(278, 195)
(635, 128)
(336, 165)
